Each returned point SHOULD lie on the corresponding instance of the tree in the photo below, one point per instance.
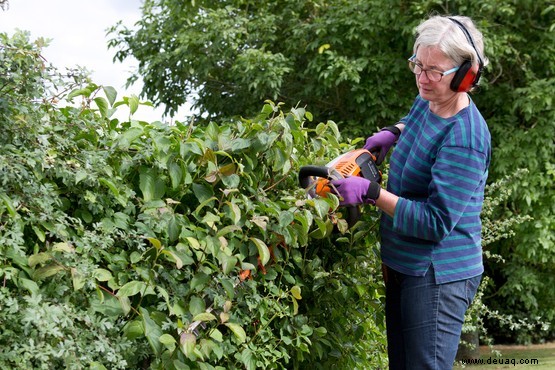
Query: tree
(518, 105)
(346, 61)
(341, 58)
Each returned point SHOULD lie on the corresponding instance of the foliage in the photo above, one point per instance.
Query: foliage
(519, 104)
(480, 315)
(347, 61)
(344, 59)
(128, 244)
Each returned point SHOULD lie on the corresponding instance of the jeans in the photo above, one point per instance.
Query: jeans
(424, 320)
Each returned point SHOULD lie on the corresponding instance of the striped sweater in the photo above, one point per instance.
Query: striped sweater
(439, 170)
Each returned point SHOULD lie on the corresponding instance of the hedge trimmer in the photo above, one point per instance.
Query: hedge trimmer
(358, 162)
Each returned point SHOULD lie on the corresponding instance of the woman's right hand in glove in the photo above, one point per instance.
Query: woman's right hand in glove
(380, 143)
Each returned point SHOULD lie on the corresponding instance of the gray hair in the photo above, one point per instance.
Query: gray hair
(445, 34)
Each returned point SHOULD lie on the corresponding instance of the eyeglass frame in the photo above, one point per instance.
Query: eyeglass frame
(445, 73)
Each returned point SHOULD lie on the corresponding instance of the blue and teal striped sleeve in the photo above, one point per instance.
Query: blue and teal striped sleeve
(456, 175)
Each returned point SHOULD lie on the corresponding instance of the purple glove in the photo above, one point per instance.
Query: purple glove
(354, 190)
(382, 141)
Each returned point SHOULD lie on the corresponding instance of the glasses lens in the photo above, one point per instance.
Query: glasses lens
(434, 75)
(415, 68)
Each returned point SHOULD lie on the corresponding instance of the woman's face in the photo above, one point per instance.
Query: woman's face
(432, 58)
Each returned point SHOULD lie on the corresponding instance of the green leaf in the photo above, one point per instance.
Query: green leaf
(195, 244)
(131, 288)
(86, 215)
(263, 250)
(321, 231)
(129, 136)
(216, 335)
(168, 341)
(155, 242)
(125, 304)
(182, 252)
(39, 233)
(80, 176)
(63, 247)
(295, 307)
(78, 279)
(102, 274)
(196, 305)
(174, 229)
(296, 292)
(153, 332)
(134, 329)
(228, 287)
(172, 256)
(102, 105)
(133, 102)
(38, 259)
(228, 169)
(176, 174)
(28, 284)
(8, 203)
(178, 365)
(111, 94)
(135, 257)
(163, 143)
(199, 280)
(285, 218)
(233, 212)
(47, 271)
(228, 263)
(228, 229)
(323, 48)
(238, 331)
(113, 188)
(240, 144)
(322, 207)
(96, 366)
(210, 219)
(147, 184)
(203, 192)
(248, 359)
(204, 316)
(86, 92)
(187, 344)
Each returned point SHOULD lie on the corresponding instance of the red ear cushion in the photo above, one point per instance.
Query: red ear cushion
(465, 77)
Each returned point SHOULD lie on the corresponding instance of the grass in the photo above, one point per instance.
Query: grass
(536, 357)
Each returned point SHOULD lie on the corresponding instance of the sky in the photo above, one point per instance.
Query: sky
(77, 32)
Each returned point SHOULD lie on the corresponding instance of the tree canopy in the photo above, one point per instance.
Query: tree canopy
(344, 59)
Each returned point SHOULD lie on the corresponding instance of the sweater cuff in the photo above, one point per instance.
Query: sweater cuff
(393, 129)
(373, 192)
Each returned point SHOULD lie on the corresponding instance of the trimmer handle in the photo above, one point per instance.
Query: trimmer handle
(306, 172)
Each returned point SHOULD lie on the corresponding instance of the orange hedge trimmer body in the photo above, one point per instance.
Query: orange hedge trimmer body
(358, 162)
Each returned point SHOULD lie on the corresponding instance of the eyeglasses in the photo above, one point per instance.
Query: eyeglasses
(432, 74)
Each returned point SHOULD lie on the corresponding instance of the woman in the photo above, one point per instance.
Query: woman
(430, 227)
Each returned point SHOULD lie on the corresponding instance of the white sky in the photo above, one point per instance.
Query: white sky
(77, 33)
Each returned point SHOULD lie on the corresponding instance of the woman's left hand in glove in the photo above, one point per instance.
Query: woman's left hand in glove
(355, 190)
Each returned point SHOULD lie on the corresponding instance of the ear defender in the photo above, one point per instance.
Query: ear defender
(468, 75)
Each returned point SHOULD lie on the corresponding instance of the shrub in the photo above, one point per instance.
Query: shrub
(128, 244)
